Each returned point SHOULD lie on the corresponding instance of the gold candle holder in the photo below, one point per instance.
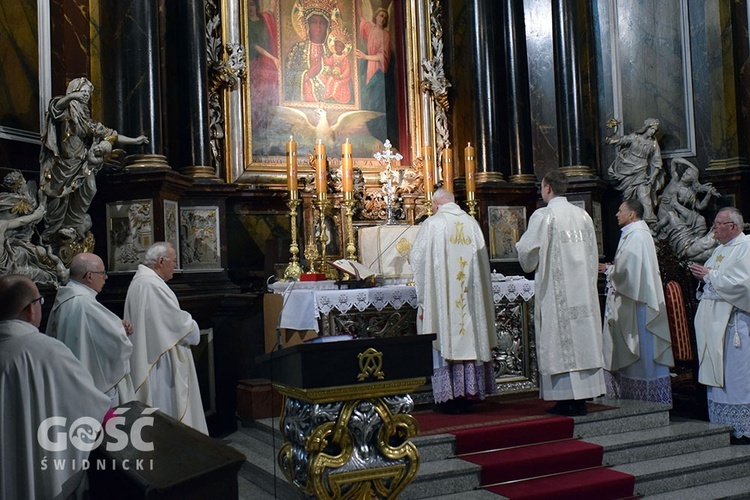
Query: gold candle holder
(293, 270)
(428, 202)
(351, 249)
(471, 203)
(322, 205)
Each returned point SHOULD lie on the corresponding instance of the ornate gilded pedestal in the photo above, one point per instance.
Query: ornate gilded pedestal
(346, 417)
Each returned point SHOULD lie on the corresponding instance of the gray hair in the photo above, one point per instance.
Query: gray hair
(443, 196)
(735, 216)
(158, 249)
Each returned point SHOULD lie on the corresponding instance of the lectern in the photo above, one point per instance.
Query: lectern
(346, 417)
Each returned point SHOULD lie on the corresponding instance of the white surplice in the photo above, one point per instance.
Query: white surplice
(96, 337)
(162, 366)
(454, 290)
(560, 246)
(721, 330)
(635, 320)
(40, 378)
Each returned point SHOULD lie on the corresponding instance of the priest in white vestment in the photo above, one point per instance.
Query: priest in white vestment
(162, 366)
(637, 344)
(722, 325)
(560, 246)
(40, 379)
(454, 291)
(93, 333)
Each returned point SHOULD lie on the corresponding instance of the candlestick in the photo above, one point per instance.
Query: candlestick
(291, 168)
(293, 269)
(321, 171)
(429, 176)
(347, 168)
(471, 169)
(448, 169)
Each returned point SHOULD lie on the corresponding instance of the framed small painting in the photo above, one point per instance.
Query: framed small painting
(507, 224)
(130, 233)
(199, 238)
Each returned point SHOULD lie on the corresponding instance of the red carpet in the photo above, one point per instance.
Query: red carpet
(517, 444)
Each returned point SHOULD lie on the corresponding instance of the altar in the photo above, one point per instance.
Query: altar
(320, 312)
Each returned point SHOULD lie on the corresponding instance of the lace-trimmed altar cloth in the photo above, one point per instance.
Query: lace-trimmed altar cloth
(302, 307)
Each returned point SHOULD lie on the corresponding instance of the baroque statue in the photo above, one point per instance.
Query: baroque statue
(20, 213)
(73, 151)
(637, 169)
(679, 219)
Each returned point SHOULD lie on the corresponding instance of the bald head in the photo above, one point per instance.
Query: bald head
(16, 295)
(88, 269)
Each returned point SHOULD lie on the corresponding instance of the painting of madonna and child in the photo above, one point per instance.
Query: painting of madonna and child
(325, 70)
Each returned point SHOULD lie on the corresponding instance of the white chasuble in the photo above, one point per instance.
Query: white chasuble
(560, 245)
(41, 379)
(95, 335)
(162, 365)
(635, 280)
(454, 289)
(727, 290)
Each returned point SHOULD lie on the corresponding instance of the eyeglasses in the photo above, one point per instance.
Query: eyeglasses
(717, 224)
(39, 299)
(103, 273)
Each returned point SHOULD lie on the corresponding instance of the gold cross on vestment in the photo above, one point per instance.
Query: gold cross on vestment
(719, 258)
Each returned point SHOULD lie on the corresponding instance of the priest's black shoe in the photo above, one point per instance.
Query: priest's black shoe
(567, 408)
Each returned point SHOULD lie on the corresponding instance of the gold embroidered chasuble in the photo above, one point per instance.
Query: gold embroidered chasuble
(454, 289)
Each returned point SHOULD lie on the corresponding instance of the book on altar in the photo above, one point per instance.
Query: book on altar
(353, 268)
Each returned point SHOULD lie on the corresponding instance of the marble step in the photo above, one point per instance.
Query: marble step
(627, 416)
(689, 469)
(731, 489)
(682, 436)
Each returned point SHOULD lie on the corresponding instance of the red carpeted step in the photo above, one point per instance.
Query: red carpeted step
(596, 484)
(513, 434)
(536, 460)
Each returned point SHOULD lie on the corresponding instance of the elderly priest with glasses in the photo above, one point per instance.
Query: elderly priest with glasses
(45, 391)
(722, 325)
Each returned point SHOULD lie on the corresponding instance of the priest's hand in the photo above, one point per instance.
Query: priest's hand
(603, 267)
(698, 271)
(128, 327)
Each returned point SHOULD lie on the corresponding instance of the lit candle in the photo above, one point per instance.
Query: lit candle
(321, 172)
(291, 167)
(471, 169)
(347, 167)
(448, 169)
(429, 179)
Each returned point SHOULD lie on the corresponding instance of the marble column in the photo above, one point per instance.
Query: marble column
(481, 27)
(130, 75)
(517, 78)
(188, 83)
(576, 152)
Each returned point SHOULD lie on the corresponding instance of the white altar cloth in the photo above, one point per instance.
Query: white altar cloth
(302, 307)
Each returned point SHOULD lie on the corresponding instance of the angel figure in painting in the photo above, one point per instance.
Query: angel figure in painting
(377, 75)
(68, 165)
(263, 61)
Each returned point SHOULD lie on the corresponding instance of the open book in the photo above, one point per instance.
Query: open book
(353, 268)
